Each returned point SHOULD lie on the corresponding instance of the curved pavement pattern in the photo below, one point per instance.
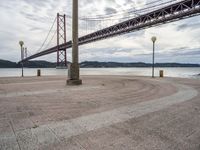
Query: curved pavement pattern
(73, 133)
(99, 120)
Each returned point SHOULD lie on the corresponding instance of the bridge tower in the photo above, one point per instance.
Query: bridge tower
(61, 39)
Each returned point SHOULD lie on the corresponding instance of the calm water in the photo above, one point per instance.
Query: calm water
(170, 72)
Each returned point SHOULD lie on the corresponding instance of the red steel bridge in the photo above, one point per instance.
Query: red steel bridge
(173, 12)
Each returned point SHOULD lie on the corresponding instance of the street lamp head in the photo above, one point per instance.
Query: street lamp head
(21, 43)
(153, 39)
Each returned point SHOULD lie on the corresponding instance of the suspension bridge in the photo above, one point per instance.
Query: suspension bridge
(154, 14)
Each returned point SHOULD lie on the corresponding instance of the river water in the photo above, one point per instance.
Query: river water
(170, 72)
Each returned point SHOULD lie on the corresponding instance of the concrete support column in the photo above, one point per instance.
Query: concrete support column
(73, 76)
(75, 32)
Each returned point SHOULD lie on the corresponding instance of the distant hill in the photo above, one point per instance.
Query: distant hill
(96, 64)
(90, 64)
(7, 64)
(39, 64)
(29, 64)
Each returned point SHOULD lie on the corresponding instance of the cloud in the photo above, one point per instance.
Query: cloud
(194, 25)
(110, 10)
(30, 20)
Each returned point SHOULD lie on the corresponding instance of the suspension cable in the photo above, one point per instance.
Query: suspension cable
(50, 40)
(122, 12)
(47, 35)
(136, 12)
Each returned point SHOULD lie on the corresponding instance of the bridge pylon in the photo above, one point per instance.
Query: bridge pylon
(61, 39)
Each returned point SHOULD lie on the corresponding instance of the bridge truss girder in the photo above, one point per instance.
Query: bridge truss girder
(177, 11)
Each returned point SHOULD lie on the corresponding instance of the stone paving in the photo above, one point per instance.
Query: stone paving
(106, 112)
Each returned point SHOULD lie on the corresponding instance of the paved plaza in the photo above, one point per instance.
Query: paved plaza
(105, 113)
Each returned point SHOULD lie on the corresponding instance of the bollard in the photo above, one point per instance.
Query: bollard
(161, 73)
(38, 73)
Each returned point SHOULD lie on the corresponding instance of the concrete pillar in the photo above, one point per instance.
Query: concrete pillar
(73, 77)
(75, 32)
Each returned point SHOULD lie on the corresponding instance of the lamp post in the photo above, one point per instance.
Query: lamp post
(25, 52)
(153, 39)
(21, 43)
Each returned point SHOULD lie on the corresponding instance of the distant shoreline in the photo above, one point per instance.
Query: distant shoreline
(93, 64)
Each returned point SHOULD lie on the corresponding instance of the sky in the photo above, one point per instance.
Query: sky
(30, 20)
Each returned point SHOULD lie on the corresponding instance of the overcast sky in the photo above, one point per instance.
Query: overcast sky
(30, 20)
